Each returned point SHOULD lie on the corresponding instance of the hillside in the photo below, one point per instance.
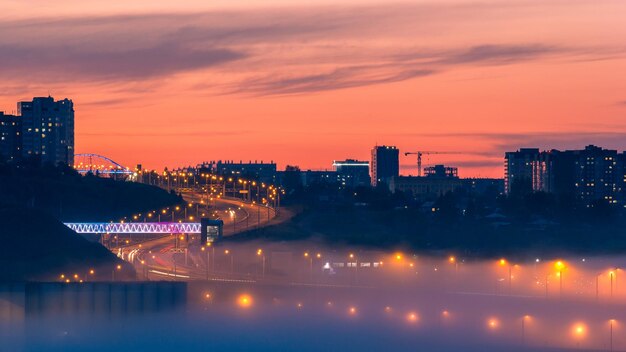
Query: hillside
(67, 196)
(35, 246)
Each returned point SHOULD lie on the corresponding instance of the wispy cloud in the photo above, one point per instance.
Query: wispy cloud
(57, 61)
(346, 77)
(291, 50)
(498, 143)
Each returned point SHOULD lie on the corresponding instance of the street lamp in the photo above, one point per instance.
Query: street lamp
(118, 267)
(524, 329)
(560, 266)
(260, 253)
(310, 258)
(232, 263)
(356, 267)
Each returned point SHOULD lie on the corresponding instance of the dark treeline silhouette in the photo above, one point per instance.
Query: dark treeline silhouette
(486, 224)
(68, 196)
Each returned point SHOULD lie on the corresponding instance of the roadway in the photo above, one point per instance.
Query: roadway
(176, 257)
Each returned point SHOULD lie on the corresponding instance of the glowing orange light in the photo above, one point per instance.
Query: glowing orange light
(452, 259)
(559, 265)
(493, 323)
(502, 262)
(412, 317)
(352, 310)
(579, 330)
(244, 301)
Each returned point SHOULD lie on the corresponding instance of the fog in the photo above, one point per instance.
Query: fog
(286, 297)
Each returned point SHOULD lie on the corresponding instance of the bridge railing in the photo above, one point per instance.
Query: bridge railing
(143, 227)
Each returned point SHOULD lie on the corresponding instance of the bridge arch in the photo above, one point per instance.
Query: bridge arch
(98, 164)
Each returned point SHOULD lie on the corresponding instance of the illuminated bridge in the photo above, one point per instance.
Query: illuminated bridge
(137, 227)
(98, 164)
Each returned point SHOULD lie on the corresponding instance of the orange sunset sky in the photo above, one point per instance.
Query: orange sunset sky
(174, 83)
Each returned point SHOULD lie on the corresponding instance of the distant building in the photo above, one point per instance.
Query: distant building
(483, 185)
(441, 171)
(438, 181)
(48, 130)
(518, 169)
(10, 137)
(424, 187)
(310, 177)
(589, 175)
(260, 171)
(385, 164)
(352, 173)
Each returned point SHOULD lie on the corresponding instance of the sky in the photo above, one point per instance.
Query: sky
(175, 83)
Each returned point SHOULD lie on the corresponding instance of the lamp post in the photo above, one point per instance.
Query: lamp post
(207, 260)
(118, 267)
(524, 329)
(611, 334)
(503, 262)
(260, 253)
(310, 258)
(232, 263)
(356, 267)
(560, 266)
(598, 286)
(611, 276)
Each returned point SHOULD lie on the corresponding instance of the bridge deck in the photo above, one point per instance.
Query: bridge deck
(137, 227)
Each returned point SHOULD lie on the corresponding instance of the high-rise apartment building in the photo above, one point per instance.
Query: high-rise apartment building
(352, 172)
(518, 169)
(385, 164)
(589, 175)
(48, 130)
(10, 137)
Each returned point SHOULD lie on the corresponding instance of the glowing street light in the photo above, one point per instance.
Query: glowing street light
(452, 260)
(412, 317)
(524, 318)
(232, 263)
(611, 322)
(579, 330)
(244, 301)
(560, 266)
(493, 323)
(611, 276)
(260, 254)
(503, 262)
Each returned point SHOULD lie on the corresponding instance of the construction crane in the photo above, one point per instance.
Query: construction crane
(419, 158)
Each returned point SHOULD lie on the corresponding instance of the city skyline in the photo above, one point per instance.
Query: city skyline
(173, 84)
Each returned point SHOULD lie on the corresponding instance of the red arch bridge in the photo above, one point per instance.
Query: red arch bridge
(136, 227)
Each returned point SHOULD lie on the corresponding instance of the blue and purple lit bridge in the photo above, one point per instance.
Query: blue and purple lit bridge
(135, 228)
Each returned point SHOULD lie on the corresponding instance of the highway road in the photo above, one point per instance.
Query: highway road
(177, 257)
